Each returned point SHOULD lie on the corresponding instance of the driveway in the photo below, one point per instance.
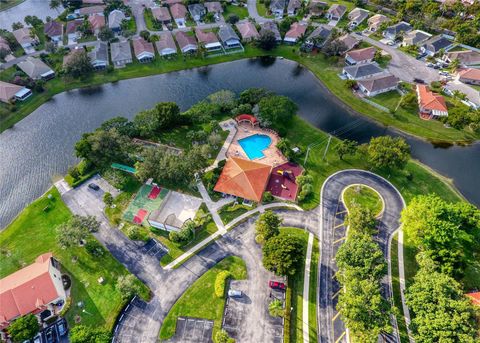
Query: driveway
(137, 10)
(472, 94)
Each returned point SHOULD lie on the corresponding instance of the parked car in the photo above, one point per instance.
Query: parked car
(276, 285)
(234, 293)
(430, 65)
(444, 73)
(418, 80)
(390, 43)
(62, 327)
(50, 335)
(93, 186)
(420, 56)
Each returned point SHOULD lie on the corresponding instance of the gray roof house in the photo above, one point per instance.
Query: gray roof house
(214, 7)
(197, 11)
(277, 7)
(121, 53)
(362, 71)
(391, 32)
(415, 37)
(166, 45)
(115, 18)
(336, 12)
(99, 56)
(357, 16)
(270, 25)
(377, 85)
(229, 37)
(36, 69)
(24, 38)
(319, 36)
(435, 44)
(293, 6)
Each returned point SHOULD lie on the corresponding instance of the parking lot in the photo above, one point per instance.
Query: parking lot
(192, 330)
(155, 249)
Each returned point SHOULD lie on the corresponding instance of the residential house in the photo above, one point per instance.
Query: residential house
(466, 58)
(178, 13)
(375, 21)
(214, 7)
(416, 37)
(120, 53)
(186, 42)
(394, 31)
(359, 56)
(115, 19)
(229, 37)
(277, 7)
(172, 2)
(53, 30)
(297, 30)
(93, 2)
(319, 36)
(336, 12)
(316, 8)
(4, 45)
(144, 51)
(293, 7)
(72, 29)
(431, 105)
(362, 71)
(35, 289)
(349, 41)
(270, 25)
(10, 92)
(378, 84)
(36, 69)
(197, 11)
(470, 76)
(248, 31)
(85, 11)
(99, 56)
(357, 16)
(161, 15)
(436, 44)
(25, 39)
(97, 22)
(208, 39)
(74, 52)
(165, 44)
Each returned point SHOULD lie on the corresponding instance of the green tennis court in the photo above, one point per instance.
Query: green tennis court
(142, 201)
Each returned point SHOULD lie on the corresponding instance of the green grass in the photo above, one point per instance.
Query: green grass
(103, 302)
(199, 301)
(397, 298)
(389, 100)
(263, 11)
(6, 4)
(312, 299)
(231, 211)
(240, 11)
(364, 197)
(150, 21)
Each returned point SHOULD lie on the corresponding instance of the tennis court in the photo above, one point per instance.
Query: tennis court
(148, 199)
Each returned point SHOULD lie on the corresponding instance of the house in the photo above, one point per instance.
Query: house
(349, 40)
(316, 8)
(375, 21)
(270, 25)
(336, 12)
(4, 45)
(283, 181)
(10, 92)
(362, 71)
(392, 32)
(84, 11)
(475, 297)
(120, 53)
(72, 31)
(248, 31)
(166, 45)
(53, 30)
(36, 289)
(178, 13)
(99, 56)
(186, 42)
(293, 6)
(416, 37)
(197, 11)
(74, 52)
(357, 16)
(93, 2)
(433, 46)
(144, 51)
(115, 19)
(431, 105)
(36, 69)
(466, 58)
(161, 15)
(378, 85)
(97, 22)
(470, 76)
(277, 7)
(208, 39)
(243, 178)
(172, 2)
(229, 37)
(358, 56)
(214, 7)
(297, 30)
(319, 36)
(24, 38)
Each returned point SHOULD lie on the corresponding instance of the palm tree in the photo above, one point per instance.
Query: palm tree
(55, 4)
(275, 308)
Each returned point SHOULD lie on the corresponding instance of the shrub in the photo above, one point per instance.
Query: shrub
(267, 197)
(220, 283)
(223, 337)
(275, 308)
(108, 199)
(94, 248)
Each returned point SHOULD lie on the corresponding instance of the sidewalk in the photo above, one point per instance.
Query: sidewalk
(227, 125)
(306, 289)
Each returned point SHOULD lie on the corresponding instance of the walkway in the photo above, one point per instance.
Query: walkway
(227, 125)
(306, 290)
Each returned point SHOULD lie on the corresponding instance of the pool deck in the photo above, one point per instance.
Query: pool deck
(272, 157)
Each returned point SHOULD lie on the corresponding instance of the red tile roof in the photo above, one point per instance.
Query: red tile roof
(296, 30)
(283, 183)
(97, 21)
(141, 45)
(429, 100)
(243, 178)
(470, 73)
(475, 297)
(247, 30)
(178, 11)
(161, 14)
(205, 37)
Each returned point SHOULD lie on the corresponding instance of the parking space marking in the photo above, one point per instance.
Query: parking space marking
(336, 294)
(341, 336)
(339, 225)
(335, 316)
(339, 240)
(341, 212)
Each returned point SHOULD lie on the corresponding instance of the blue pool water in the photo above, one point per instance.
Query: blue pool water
(254, 145)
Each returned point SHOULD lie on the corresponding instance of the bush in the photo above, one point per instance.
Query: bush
(184, 235)
(267, 197)
(94, 248)
(223, 337)
(220, 283)
(133, 232)
(108, 199)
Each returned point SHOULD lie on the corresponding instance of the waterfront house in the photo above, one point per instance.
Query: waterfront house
(297, 30)
(319, 36)
(197, 11)
(25, 38)
(378, 84)
(277, 7)
(394, 31)
(72, 29)
(36, 69)
(362, 71)
(358, 56)
(470, 76)
(144, 51)
(97, 22)
(115, 19)
(375, 21)
(248, 31)
(436, 44)
(121, 53)
(293, 7)
(99, 56)
(336, 12)
(229, 37)
(270, 25)
(74, 52)
(208, 39)
(467, 58)
(186, 42)
(10, 92)
(415, 37)
(54, 31)
(430, 104)
(178, 13)
(214, 7)
(166, 45)
(161, 15)
(349, 41)
(357, 16)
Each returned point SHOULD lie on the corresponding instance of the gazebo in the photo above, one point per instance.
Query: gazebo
(247, 118)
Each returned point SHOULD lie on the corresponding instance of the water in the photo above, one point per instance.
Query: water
(40, 147)
(254, 145)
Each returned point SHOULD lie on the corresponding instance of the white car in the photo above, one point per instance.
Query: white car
(234, 294)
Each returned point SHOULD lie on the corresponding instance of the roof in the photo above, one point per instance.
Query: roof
(165, 41)
(316, 7)
(120, 51)
(270, 25)
(97, 21)
(34, 67)
(171, 2)
(196, 9)
(416, 36)
(206, 37)
(358, 14)
(4, 44)
(296, 30)
(53, 28)
(470, 73)
(399, 27)
(282, 181)
(248, 117)
(23, 35)
(349, 40)
(437, 43)
(140, 46)
(184, 39)
(91, 10)
(115, 18)
(362, 54)
(243, 178)
(337, 10)
(161, 13)
(377, 19)
(294, 5)
(178, 11)
(378, 83)
(176, 209)
(27, 289)
(72, 26)
(247, 30)
(73, 52)
(323, 31)
(278, 5)
(226, 32)
(214, 6)
(8, 90)
(467, 57)
(475, 296)
(363, 70)
(100, 53)
(429, 100)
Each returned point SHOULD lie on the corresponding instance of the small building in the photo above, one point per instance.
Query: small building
(97, 22)
(319, 36)
(358, 56)
(248, 31)
(144, 51)
(36, 69)
(10, 92)
(336, 12)
(375, 21)
(316, 8)
(197, 11)
(362, 71)
(349, 41)
(435, 44)
(431, 105)
(4, 45)
(36, 289)
(357, 16)
(392, 32)
(214, 7)
(270, 25)
(84, 11)
(161, 15)
(99, 56)
(378, 85)
(166, 45)
(470, 76)
(229, 37)
(54, 31)
(277, 7)
(115, 19)
(186, 42)
(208, 39)
(178, 13)
(24, 38)
(466, 58)
(283, 181)
(416, 37)
(297, 30)
(293, 7)
(72, 29)
(121, 54)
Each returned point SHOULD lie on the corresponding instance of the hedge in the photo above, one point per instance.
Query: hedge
(220, 283)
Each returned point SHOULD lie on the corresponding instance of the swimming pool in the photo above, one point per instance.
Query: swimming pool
(254, 145)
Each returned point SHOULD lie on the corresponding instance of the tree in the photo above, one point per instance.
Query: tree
(69, 234)
(55, 4)
(23, 328)
(106, 34)
(224, 98)
(87, 334)
(32, 20)
(90, 223)
(267, 226)
(121, 124)
(275, 308)
(409, 101)
(163, 116)
(108, 199)
(281, 254)
(79, 65)
(94, 248)
(351, 84)
(3, 53)
(145, 34)
(334, 47)
(276, 110)
(360, 220)
(388, 152)
(223, 337)
(267, 40)
(253, 96)
(17, 25)
(232, 19)
(346, 147)
(127, 286)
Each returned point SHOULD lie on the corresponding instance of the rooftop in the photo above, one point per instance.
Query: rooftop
(362, 54)
(53, 28)
(34, 67)
(429, 100)
(379, 83)
(247, 30)
(8, 90)
(470, 73)
(178, 11)
(363, 70)
(296, 30)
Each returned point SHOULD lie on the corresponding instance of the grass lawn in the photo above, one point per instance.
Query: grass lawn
(103, 302)
(389, 100)
(263, 11)
(199, 301)
(240, 11)
(230, 211)
(312, 299)
(364, 197)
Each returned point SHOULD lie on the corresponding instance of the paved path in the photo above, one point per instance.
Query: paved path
(253, 13)
(211, 206)
(230, 126)
(306, 290)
